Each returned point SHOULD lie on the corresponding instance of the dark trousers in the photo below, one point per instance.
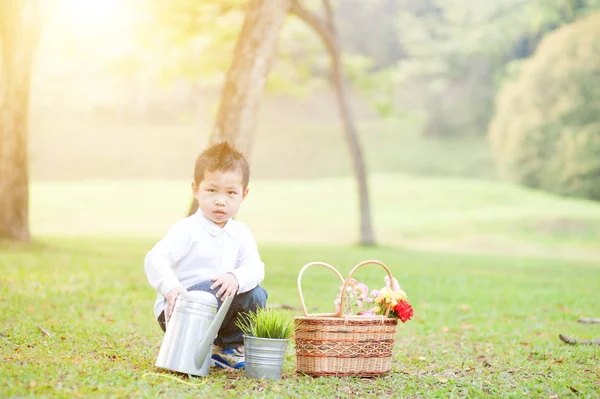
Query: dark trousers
(230, 335)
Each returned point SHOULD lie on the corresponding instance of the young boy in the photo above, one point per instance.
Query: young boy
(209, 251)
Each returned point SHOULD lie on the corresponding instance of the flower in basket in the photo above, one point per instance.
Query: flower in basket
(390, 301)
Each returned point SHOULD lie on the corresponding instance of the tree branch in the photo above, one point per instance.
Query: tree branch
(574, 341)
(588, 320)
(329, 15)
(317, 23)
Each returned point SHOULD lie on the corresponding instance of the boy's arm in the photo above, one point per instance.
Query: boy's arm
(159, 262)
(250, 269)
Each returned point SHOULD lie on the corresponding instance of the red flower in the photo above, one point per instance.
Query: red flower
(404, 310)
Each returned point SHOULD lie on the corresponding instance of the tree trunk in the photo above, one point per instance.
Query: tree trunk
(245, 83)
(19, 34)
(327, 32)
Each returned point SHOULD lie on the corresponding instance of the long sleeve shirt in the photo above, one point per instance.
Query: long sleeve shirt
(195, 249)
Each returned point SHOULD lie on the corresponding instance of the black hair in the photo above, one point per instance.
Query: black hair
(223, 157)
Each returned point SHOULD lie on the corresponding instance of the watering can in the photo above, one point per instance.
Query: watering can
(194, 324)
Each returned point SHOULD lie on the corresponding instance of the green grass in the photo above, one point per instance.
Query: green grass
(484, 326)
(411, 212)
(494, 272)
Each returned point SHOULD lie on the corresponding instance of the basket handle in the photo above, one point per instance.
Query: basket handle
(355, 268)
(300, 286)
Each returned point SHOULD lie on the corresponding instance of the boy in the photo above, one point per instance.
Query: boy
(209, 251)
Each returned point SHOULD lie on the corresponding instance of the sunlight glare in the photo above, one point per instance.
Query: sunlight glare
(92, 16)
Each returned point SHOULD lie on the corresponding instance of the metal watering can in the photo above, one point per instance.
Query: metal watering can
(194, 324)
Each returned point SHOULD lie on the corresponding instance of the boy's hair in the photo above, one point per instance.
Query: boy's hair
(223, 157)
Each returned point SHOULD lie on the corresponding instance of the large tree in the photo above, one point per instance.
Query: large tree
(20, 24)
(244, 87)
(326, 30)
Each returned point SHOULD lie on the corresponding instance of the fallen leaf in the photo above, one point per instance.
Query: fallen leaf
(553, 397)
(445, 329)
(31, 309)
(443, 380)
(464, 307)
(466, 326)
(31, 384)
(574, 390)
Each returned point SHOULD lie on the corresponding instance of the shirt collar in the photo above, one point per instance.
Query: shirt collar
(211, 227)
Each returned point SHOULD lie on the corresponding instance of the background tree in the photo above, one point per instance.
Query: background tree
(546, 130)
(20, 24)
(458, 51)
(327, 32)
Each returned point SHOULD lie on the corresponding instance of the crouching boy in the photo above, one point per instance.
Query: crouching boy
(209, 251)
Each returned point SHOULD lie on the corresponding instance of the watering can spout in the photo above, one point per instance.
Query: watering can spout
(206, 343)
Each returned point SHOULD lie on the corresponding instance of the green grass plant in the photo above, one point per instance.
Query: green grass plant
(267, 323)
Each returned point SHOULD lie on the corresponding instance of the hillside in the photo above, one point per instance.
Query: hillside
(295, 138)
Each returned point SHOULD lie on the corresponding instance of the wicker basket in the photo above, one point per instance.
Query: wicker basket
(333, 344)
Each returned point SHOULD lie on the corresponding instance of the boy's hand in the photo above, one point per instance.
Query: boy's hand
(229, 285)
(171, 298)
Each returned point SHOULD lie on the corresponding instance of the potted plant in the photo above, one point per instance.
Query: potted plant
(266, 336)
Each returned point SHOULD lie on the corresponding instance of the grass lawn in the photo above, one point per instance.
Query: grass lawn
(76, 321)
(412, 212)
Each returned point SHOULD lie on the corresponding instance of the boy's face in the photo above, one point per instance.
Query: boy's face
(220, 195)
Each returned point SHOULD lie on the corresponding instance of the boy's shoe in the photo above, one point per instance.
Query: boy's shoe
(227, 358)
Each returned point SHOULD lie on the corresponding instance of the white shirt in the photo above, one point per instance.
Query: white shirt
(195, 249)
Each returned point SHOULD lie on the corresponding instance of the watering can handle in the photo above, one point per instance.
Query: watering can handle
(205, 345)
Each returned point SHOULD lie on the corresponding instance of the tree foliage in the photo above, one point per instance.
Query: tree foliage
(458, 52)
(546, 130)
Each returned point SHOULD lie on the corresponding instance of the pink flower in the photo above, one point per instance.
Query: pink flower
(337, 303)
(362, 290)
